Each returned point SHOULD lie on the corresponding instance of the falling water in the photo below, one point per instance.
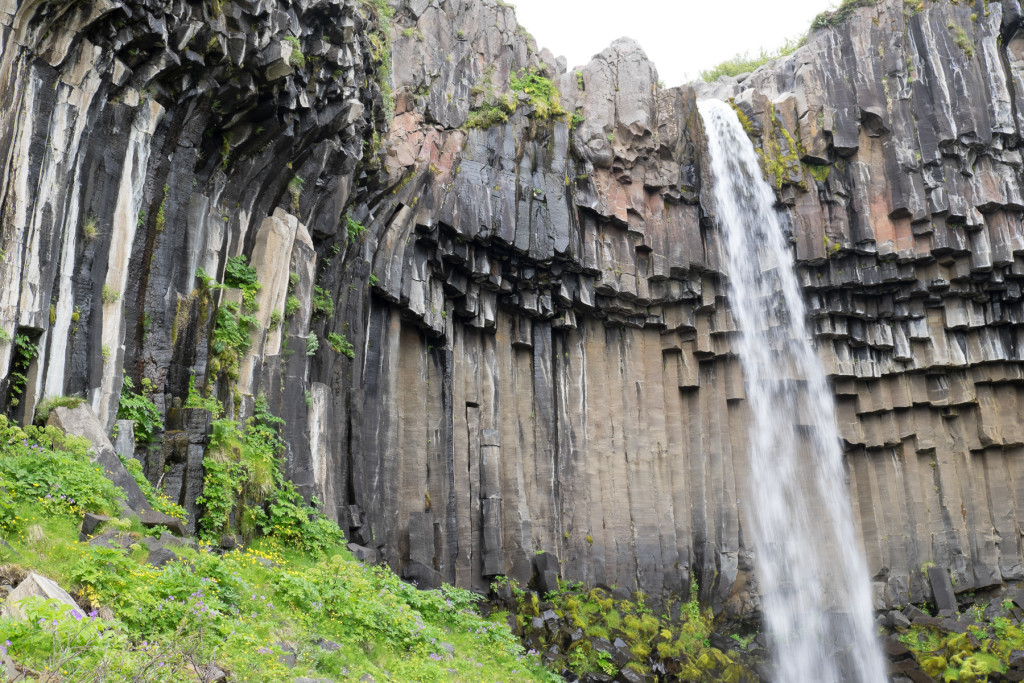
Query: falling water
(814, 584)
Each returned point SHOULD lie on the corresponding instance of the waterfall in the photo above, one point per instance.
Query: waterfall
(814, 583)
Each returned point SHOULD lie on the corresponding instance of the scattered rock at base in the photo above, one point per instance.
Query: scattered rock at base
(152, 518)
(112, 538)
(34, 585)
(364, 554)
(161, 556)
(230, 541)
(90, 523)
(942, 590)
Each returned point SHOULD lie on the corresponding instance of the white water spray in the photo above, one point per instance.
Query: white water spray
(815, 588)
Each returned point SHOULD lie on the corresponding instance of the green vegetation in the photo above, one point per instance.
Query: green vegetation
(380, 50)
(292, 306)
(231, 339)
(496, 108)
(140, 409)
(312, 344)
(239, 275)
(340, 344)
(289, 591)
(322, 302)
(110, 295)
(971, 657)
(542, 92)
(24, 353)
(90, 229)
(5, 338)
(743, 62)
(297, 59)
(961, 39)
(158, 501)
(683, 636)
(46, 406)
(161, 216)
(234, 322)
(195, 400)
(354, 228)
(295, 186)
(840, 14)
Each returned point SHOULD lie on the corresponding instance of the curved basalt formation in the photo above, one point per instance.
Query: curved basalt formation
(542, 346)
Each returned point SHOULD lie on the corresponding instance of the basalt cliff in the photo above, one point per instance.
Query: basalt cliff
(494, 314)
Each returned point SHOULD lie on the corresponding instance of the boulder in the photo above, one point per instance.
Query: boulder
(82, 421)
(152, 518)
(89, 524)
(112, 538)
(34, 585)
(942, 590)
(161, 556)
(364, 554)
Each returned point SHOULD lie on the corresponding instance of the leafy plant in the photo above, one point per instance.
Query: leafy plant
(354, 228)
(25, 351)
(297, 59)
(195, 400)
(292, 306)
(312, 344)
(140, 409)
(340, 344)
(110, 295)
(239, 275)
(323, 304)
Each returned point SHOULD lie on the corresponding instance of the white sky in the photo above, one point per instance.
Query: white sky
(682, 37)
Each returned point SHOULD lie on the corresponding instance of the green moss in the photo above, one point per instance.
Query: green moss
(961, 39)
(818, 171)
(47, 405)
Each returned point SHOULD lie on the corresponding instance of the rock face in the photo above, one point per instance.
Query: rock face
(537, 308)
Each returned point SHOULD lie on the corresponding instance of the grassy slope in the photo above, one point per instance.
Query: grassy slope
(242, 610)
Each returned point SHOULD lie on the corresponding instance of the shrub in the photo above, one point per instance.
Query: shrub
(140, 409)
(354, 228)
(110, 295)
(322, 302)
(239, 275)
(340, 344)
(44, 467)
(743, 62)
(312, 344)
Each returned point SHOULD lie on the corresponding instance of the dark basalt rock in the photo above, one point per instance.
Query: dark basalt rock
(538, 312)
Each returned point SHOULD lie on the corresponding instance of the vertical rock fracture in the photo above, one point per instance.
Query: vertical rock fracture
(814, 582)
